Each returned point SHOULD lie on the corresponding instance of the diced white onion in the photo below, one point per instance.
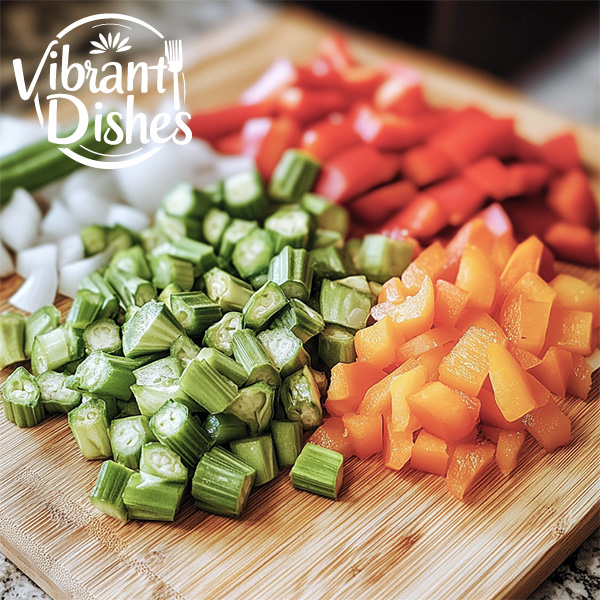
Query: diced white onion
(39, 289)
(133, 218)
(279, 75)
(72, 273)
(232, 165)
(20, 222)
(145, 185)
(16, 133)
(87, 206)
(43, 256)
(100, 182)
(70, 249)
(7, 265)
(59, 222)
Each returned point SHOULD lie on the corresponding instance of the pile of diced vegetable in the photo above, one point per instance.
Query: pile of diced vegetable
(400, 163)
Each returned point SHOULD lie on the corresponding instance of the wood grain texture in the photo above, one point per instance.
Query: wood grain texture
(392, 534)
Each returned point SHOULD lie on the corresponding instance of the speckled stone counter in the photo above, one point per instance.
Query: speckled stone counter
(578, 578)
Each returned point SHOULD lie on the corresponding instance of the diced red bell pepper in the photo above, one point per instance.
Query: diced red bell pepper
(308, 106)
(402, 92)
(354, 172)
(319, 74)
(422, 218)
(525, 150)
(473, 136)
(336, 50)
(388, 131)
(573, 243)
(266, 140)
(530, 216)
(213, 124)
(561, 152)
(360, 83)
(279, 75)
(330, 137)
(570, 196)
(490, 175)
(376, 206)
(458, 197)
(230, 144)
(524, 179)
(425, 164)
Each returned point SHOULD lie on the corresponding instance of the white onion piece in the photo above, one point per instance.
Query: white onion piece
(145, 185)
(231, 165)
(20, 222)
(70, 249)
(7, 265)
(59, 222)
(71, 274)
(86, 206)
(44, 256)
(39, 289)
(100, 182)
(16, 133)
(132, 218)
(279, 75)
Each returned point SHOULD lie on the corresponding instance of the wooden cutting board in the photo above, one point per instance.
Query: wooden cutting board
(391, 534)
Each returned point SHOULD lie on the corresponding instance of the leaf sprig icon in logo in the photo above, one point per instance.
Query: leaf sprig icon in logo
(110, 43)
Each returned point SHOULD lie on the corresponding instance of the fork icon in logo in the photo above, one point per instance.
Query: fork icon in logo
(173, 52)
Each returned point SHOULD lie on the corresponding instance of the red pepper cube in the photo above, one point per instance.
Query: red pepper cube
(573, 243)
(490, 175)
(425, 164)
(570, 196)
(308, 106)
(330, 137)
(376, 206)
(422, 218)
(458, 197)
(525, 179)
(561, 152)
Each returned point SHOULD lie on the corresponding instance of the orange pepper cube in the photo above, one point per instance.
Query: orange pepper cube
(469, 462)
(425, 342)
(428, 263)
(444, 412)
(491, 415)
(333, 435)
(512, 390)
(570, 330)
(549, 426)
(476, 275)
(580, 381)
(575, 293)
(508, 448)
(377, 343)
(402, 386)
(450, 302)
(430, 454)
(393, 290)
(397, 447)
(466, 366)
(554, 370)
(365, 433)
(526, 258)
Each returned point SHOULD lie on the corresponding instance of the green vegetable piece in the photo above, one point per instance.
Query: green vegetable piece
(95, 282)
(56, 348)
(336, 345)
(252, 254)
(263, 305)
(107, 495)
(57, 398)
(235, 231)
(229, 292)
(323, 238)
(178, 227)
(293, 177)
(84, 309)
(160, 461)
(132, 261)
(224, 365)
(258, 453)
(102, 335)
(301, 399)
(244, 196)
(300, 319)
(186, 201)
(326, 214)
(343, 304)
(381, 257)
(224, 427)
(94, 239)
(202, 256)
(329, 263)
(132, 290)
(318, 470)
(284, 349)
(151, 498)
(254, 406)
(195, 312)
(214, 226)
(291, 269)
(167, 269)
(12, 339)
(89, 424)
(218, 335)
(43, 320)
(287, 437)
(127, 437)
(249, 352)
(21, 399)
(184, 349)
(289, 226)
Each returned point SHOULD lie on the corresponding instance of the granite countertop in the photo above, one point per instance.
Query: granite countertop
(578, 578)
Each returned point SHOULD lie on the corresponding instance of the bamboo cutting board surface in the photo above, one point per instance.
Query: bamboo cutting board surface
(391, 534)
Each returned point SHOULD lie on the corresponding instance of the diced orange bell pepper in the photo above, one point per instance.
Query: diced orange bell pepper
(526, 359)
(572, 292)
(376, 206)
(526, 258)
(414, 314)
(422, 218)
(378, 398)
(525, 321)
(450, 303)
(503, 247)
(476, 317)
(469, 462)
(570, 330)
(549, 426)
(508, 446)
(570, 196)
(466, 366)
(377, 343)
(329, 137)
(393, 290)
(445, 412)
(490, 175)
(401, 387)
(425, 164)
(561, 152)
(430, 454)
(580, 381)
(353, 172)
(429, 262)
(476, 276)
(554, 370)
(525, 179)
(365, 433)
(572, 243)
(348, 384)
(420, 344)
(458, 197)
(510, 383)
(333, 435)
(397, 446)
(432, 358)
(491, 415)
